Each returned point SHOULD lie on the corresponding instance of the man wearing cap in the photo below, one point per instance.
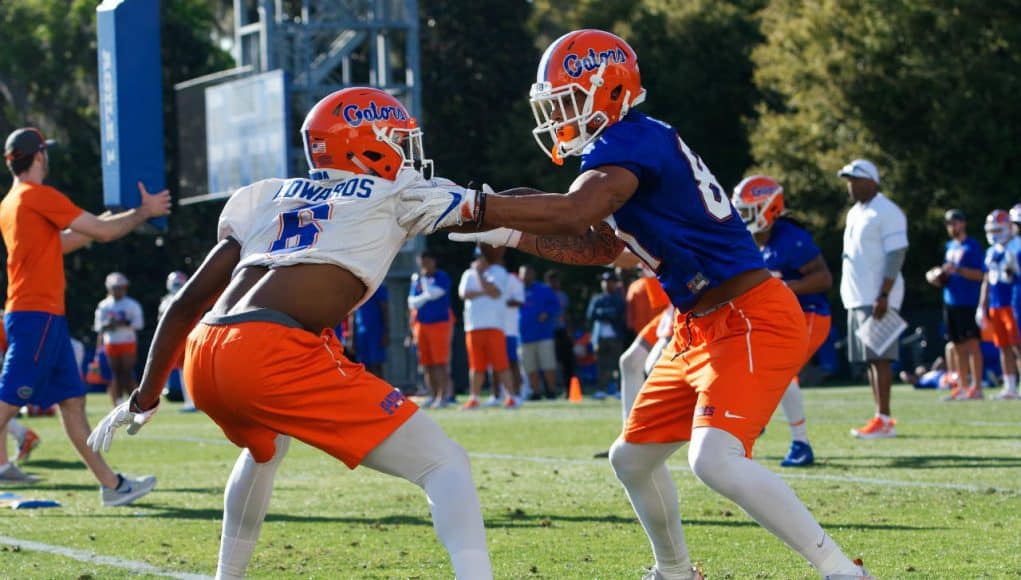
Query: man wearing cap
(39, 224)
(961, 278)
(875, 244)
(118, 319)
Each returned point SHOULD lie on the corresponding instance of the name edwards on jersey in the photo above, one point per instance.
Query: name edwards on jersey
(313, 192)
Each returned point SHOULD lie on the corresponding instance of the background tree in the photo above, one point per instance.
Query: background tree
(48, 78)
(926, 88)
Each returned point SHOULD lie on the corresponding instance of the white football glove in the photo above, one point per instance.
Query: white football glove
(980, 318)
(102, 436)
(495, 237)
(430, 208)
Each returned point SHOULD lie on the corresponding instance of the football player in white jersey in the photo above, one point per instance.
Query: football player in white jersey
(294, 258)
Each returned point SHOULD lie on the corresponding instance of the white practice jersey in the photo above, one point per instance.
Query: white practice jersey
(126, 316)
(351, 223)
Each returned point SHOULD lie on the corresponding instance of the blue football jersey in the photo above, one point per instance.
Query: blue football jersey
(679, 221)
(1002, 269)
(789, 248)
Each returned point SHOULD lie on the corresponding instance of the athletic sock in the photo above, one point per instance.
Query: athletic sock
(632, 374)
(717, 458)
(1010, 383)
(15, 428)
(794, 409)
(642, 469)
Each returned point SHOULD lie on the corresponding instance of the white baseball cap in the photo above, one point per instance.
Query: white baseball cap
(860, 168)
(116, 279)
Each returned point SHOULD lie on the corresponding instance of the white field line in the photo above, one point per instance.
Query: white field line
(93, 558)
(883, 482)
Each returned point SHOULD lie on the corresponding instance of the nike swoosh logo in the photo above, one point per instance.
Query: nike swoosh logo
(453, 203)
(821, 542)
(730, 415)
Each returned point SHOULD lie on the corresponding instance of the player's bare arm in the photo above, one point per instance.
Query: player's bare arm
(596, 247)
(109, 227)
(594, 195)
(816, 277)
(197, 295)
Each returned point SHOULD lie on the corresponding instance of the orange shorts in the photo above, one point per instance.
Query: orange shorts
(818, 331)
(487, 348)
(259, 379)
(121, 349)
(1004, 327)
(727, 368)
(648, 333)
(433, 341)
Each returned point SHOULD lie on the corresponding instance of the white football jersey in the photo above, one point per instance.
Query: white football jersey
(126, 311)
(351, 223)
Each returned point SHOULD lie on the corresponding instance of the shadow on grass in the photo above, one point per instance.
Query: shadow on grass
(52, 464)
(922, 462)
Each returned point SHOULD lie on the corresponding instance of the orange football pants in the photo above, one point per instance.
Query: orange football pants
(1004, 327)
(726, 368)
(258, 379)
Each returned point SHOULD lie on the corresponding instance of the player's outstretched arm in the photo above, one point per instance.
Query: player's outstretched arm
(198, 294)
(815, 277)
(593, 196)
(194, 299)
(109, 227)
(598, 246)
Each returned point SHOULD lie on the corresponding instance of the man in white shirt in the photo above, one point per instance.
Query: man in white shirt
(515, 296)
(875, 244)
(483, 287)
(118, 320)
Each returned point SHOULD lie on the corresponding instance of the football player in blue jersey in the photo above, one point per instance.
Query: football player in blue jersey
(792, 256)
(739, 334)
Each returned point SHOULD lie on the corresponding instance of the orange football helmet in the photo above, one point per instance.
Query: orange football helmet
(587, 80)
(759, 200)
(361, 130)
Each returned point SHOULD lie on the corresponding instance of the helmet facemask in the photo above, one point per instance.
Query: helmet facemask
(569, 135)
(754, 214)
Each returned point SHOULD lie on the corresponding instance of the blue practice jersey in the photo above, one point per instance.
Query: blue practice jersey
(437, 310)
(679, 221)
(789, 248)
(1002, 270)
(960, 291)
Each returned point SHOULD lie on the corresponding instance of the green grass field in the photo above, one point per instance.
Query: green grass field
(942, 500)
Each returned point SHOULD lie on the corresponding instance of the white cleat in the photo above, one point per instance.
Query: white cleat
(860, 574)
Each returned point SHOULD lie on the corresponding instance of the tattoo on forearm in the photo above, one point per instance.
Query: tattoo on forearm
(598, 247)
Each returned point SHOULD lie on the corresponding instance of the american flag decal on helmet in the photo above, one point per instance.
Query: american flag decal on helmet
(318, 147)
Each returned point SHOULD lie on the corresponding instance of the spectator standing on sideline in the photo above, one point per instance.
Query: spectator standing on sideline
(606, 317)
(176, 281)
(1014, 245)
(538, 318)
(563, 337)
(118, 319)
(994, 308)
(432, 326)
(40, 225)
(515, 297)
(482, 288)
(875, 244)
(961, 276)
(371, 333)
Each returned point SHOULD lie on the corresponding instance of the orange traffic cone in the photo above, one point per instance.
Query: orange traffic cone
(574, 392)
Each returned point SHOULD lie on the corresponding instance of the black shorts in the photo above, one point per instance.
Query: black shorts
(960, 323)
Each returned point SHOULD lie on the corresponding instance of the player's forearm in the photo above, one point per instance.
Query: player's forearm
(167, 347)
(119, 225)
(597, 247)
(973, 274)
(71, 240)
(812, 283)
(537, 212)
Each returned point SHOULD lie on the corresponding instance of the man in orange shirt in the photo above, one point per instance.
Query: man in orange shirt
(40, 225)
